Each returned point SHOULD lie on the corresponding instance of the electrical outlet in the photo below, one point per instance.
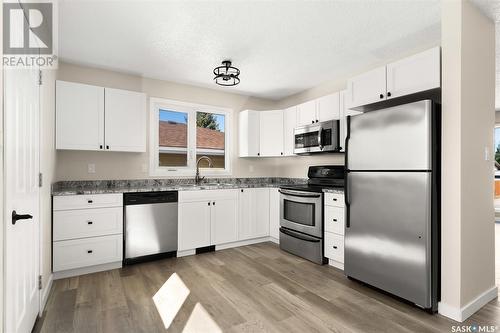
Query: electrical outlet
(144, 168)
(250, 168)
(91, 168)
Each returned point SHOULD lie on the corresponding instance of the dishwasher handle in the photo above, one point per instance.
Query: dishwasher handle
(145, 198)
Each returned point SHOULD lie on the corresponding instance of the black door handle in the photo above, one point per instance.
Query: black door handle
(16, 217)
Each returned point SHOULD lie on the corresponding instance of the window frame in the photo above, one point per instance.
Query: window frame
(155, 105)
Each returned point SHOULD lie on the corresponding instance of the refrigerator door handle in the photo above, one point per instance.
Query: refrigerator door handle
(347, 200)
(346, 190)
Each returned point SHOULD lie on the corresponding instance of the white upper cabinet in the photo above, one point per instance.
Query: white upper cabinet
(79, 116)
(344, 112)
(417, 73)
(271, 133)
(410, 75)
(328, 107)
(96, 118)
(289, 124)
(249, 133)
(306, 113)
(366, 88)
(125, 119)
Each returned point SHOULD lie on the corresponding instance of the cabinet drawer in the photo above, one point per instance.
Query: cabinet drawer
(334, 199)
(334, 247)
(80, 223)
(334, 219)
(78, 253)
(65, 202)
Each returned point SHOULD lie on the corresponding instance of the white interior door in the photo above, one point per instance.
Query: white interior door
(21, 112)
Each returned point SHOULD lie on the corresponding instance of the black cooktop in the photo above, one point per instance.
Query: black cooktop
(321, 177)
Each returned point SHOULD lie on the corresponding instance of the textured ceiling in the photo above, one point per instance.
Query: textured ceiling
(281, 47)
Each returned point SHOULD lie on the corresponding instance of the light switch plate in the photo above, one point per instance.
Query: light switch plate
(486, 154)
(91, 168)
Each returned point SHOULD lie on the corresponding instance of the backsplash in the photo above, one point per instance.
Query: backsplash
(86, 185)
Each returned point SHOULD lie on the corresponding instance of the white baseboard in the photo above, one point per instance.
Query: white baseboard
(242, 243)
(336, 264)
(461, 314)
(274, 240)
(185, 253)
(231, 245)
(44, 295)
(86, 270)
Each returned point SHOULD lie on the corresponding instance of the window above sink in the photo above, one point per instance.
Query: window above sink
(180, 133)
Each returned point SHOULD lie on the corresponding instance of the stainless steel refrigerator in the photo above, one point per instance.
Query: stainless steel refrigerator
(392, 201)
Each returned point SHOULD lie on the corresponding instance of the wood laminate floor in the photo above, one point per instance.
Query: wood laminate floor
(255, 288)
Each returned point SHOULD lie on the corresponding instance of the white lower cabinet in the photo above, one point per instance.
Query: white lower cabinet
(224, 220)
(334, 222)
(253, 213)
(84, 252)
(194, 224)
(87, 233)
(334, 247)
(207, 217)
(274, 214)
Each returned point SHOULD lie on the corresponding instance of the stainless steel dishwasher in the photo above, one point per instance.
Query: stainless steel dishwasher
(150, 226)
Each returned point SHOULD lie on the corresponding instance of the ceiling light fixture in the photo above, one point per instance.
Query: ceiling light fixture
(226, 75)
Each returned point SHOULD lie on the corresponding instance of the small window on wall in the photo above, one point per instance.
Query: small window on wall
(172, 134)
(210, 138)
(497, 149)
(182, 132)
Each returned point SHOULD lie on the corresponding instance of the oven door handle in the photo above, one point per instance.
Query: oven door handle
(295, 194)
(299, 235)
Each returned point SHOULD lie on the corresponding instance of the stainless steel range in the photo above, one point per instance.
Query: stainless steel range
(301, 216)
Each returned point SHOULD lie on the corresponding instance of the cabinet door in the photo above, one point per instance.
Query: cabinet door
(366, 88)
(274, 213)
(306, 113)
(224, 221)
(125, 115)
(249, 133)
(414, 74)
(262, 208)
(253, 219)
(289, 124)
(79, 116)
(328, 107)
(344, 112)
(194, 225)
(247, 213)
(271, 133)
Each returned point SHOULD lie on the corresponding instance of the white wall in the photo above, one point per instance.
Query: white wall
(468, 96)
(72, 165)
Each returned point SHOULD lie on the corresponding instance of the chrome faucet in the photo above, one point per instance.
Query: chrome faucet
(197, 178)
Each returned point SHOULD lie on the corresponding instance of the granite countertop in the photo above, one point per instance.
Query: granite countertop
(153, 185)
(336, 190)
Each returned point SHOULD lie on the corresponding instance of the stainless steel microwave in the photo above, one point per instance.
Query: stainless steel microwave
(317, 137)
